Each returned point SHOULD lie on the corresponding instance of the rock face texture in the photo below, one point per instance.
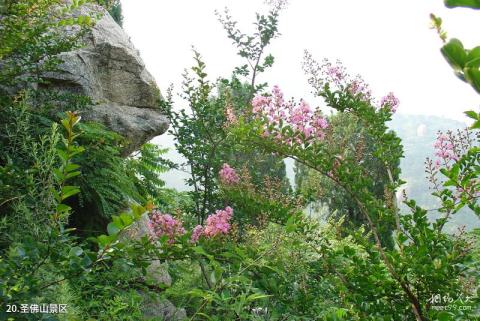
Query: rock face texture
(109, 70)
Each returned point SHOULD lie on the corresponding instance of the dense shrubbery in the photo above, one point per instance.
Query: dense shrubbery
(239, 246)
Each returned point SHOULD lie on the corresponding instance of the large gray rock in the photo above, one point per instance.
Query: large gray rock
(109, 70)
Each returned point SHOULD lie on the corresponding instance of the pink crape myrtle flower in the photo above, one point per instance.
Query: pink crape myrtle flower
(444, 150)
(305, 122)
(390, 101)
(358, 87)
(218, 223)
(336, 72)
(196, 233)
(259, 102)
(228, 175)
(164, 224)
(230, 116)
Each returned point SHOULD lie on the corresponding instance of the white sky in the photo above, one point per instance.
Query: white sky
(388, 42)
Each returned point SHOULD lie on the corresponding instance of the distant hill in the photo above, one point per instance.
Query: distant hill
(418, 134)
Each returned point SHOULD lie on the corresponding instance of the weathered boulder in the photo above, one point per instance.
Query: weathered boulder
(109, 70)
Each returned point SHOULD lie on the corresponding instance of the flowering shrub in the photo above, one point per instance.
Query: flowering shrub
(398, 269)
(196, 233)
(231, 118)
(336, 78)
(287, 266)
(217, 224)
(305, 123)
(228, 175)
(451, 174)
(450, 147)
(259, 205)
(390, 101)
(164, 224)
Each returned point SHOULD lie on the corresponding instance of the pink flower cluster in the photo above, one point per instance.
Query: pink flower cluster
(196, 233)
(337, 78)
(228, 175)
(217, 224)
(230, 116)
(300, 117)
(444, 149)
(390, 101)
(335, 73)
(164, 224)
(358, 87)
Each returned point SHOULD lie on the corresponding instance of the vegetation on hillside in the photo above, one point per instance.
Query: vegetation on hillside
(239, 246)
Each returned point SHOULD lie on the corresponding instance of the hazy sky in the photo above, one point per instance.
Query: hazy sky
(388, 42)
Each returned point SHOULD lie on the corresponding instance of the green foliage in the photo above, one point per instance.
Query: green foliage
(252, 47)
(465, 62)
(43, 175)
(463, 175)
(200, 137)
(476, 118)
(201, 130)
(418, 134)
(114, 7)
(32, 33)
(106, 184)
(145, 168)
(25, 257)
(39, 266)
(397, 270)
(474, 4)
(258, 204)
(348, 140)
(275, 263)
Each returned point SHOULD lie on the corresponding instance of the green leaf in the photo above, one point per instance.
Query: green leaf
(112, 228)
(75, 251)
(474, 4)
(71, 167)
(72, 174)
(104, 240)
(61, 208)
(341, 313)
(86, 261)
(257, 296)
(68, 191)
(126, 219)
(290, 226)
(455, 54)
(472, 114)
(472, 75)
(200, 250)
(444, 316)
